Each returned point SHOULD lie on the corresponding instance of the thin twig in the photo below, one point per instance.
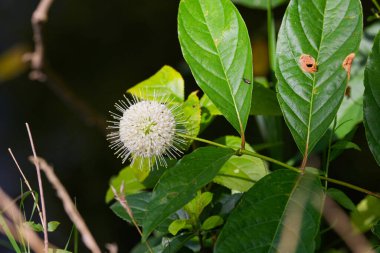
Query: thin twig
(287, 166)
(28, 185)
(37, 58)
(41, 189)
(58, 86)
(14, 214)
(119, 196)
(68, 205)
(112, 247)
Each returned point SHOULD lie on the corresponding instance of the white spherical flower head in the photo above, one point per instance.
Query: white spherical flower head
(146, 130)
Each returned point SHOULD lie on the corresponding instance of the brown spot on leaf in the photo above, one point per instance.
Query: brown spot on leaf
(308, 64)
(347, 93)
(347, 63)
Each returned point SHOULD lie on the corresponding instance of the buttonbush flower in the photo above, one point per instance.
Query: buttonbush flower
(146, 131)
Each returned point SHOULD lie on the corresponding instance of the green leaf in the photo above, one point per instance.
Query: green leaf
(178, 225)
(192, 115)
(132, 178)
(34, 226)
(264, 101)
(240, 172)
(260, 4)
(367, 213)
(212, 222)
(215, 43)
(53, 225)
(167, 83)
(327, 30)
(138, 203)
(180, 184)
(350, 112)
(195, 207)
(280, 213)
(372, 100)
(376, 229)
(341, 198)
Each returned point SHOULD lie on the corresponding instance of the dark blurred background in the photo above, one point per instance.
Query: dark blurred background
(96, 50)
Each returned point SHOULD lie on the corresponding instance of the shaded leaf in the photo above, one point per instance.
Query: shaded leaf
(264, 101)
(328, 31)
(350, 112)
(179, 184)
(138, 203)
(215, 43)
(376, 229)
(372, 100)
(167, 83)
(341, 145)
(240, 172)
(280, 213)
(341, 198)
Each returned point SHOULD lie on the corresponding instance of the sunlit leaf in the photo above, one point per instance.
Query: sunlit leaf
(240, 172)
(367, 213)
(166, 84)
(53, 225)
(215, 43)
(131, 177)
(328, 31)
(212, 222)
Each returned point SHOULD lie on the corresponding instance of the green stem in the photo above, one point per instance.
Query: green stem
(271, 37)
(269, 159)
(329, 153)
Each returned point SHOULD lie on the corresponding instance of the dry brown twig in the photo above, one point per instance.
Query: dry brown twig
(119, 197)
(68, 205)
(41, 190)
(342, 225)
(37, 57)
(9, 208)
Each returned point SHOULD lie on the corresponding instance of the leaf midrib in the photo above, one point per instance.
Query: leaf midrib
(223, 67)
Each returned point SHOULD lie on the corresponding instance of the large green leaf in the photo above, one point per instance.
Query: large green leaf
(280, 213)
(350, 112)
(215, 43)
(372, 100)
(260, 4)
(167, 83)
(327, 30)
(179, 184)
